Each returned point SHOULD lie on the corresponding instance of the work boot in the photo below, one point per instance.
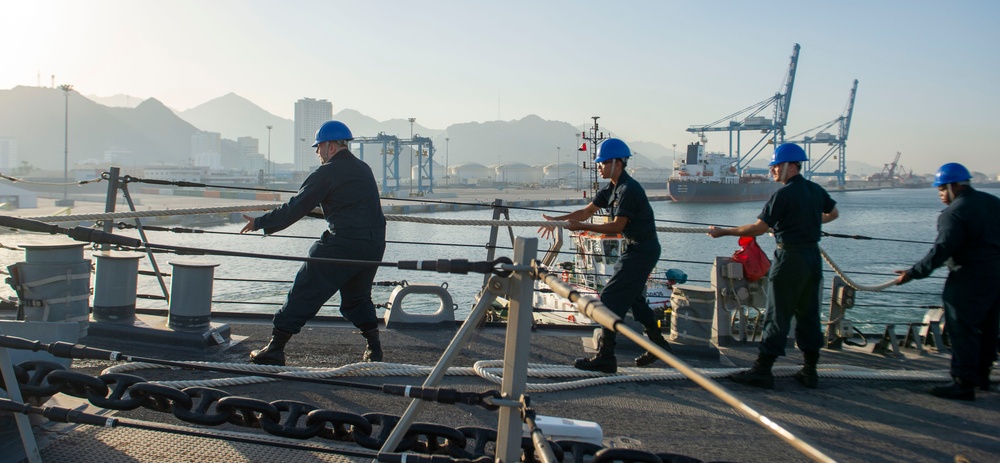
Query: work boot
(807, 376)
(604, 361)
(373, 351)
(759, 375)
(274, 352)
(957, 390)
(647, 358)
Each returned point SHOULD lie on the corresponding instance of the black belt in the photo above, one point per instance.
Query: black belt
(787, 246)
(358, 233)
(640, 238)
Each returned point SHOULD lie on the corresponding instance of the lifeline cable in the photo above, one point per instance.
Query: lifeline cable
(189, 230)
(125, 226)
(429, 266)
(185, 184)
(128, 179)
(459, 266)
(398, 218)
(423, 220)
(861, 237)
(40, 226)
(29, 182)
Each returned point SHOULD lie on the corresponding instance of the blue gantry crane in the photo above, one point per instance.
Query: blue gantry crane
(391, 147)
(750, 118)
(836, 144)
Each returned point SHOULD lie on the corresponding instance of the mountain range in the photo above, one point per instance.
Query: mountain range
(152, 133)
(148, 132)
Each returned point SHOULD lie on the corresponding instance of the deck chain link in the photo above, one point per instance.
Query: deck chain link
(291, 419)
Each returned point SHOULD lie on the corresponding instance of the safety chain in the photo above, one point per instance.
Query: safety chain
(288, 418)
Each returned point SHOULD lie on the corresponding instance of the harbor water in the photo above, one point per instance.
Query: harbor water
(258, 285)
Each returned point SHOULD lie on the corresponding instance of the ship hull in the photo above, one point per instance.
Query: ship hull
(710, 192)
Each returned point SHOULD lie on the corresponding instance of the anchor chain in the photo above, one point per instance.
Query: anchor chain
(285, 418)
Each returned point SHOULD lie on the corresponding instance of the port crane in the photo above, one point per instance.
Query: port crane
(836, 144)
(391, 147)
(750, 118)
(888, 172)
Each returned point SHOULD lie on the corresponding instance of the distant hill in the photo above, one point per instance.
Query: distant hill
(35, 117)
(153, 133)
(530, 140)
(234, 116)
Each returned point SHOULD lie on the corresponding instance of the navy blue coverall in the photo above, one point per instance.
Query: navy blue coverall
(795, 213)
(345, 189)
(968, 242)
(642, 250)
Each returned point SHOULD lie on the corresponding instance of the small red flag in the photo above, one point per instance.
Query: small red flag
(582, 147)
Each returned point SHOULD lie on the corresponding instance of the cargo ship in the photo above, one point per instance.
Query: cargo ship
(701, 177)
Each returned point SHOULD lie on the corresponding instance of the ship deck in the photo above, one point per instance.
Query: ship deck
(851, 420)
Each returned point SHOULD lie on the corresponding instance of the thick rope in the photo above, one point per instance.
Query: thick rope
(412, 219)
(490, 371)
(849, 281)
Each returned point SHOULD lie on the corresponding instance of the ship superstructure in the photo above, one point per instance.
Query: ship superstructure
(714, 177)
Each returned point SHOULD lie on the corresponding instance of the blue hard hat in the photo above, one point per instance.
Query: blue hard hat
(332, 130)
(612, 148)
(950, 173)
(677, 275)
(788, 152)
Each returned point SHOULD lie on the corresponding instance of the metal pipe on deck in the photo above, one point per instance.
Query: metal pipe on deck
(595, 310)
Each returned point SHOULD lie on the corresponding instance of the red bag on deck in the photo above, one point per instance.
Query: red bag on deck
(755, 262)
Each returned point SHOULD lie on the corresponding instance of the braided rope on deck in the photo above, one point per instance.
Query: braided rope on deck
(849, 282)
(489, 370)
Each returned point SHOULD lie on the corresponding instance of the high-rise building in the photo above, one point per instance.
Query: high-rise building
(248, 146)
(8, 154)
(310, 114)
(206, 149)
(249, 159)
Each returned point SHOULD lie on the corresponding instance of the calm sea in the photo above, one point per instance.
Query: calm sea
(898, 214)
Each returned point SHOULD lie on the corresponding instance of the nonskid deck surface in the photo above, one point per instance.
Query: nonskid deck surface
(850, 419)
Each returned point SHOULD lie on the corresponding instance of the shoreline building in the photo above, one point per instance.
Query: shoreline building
(8, 154)
(310, 114)
(206, 150)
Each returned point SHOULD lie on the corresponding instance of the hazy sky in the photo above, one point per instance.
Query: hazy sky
(928, 71)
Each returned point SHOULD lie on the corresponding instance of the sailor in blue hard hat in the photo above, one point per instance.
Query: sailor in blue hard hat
(785, 155)
(332, 131)
(951, 176)
(968, 243)
(344, 187)
(796, 214)
(632, 216)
